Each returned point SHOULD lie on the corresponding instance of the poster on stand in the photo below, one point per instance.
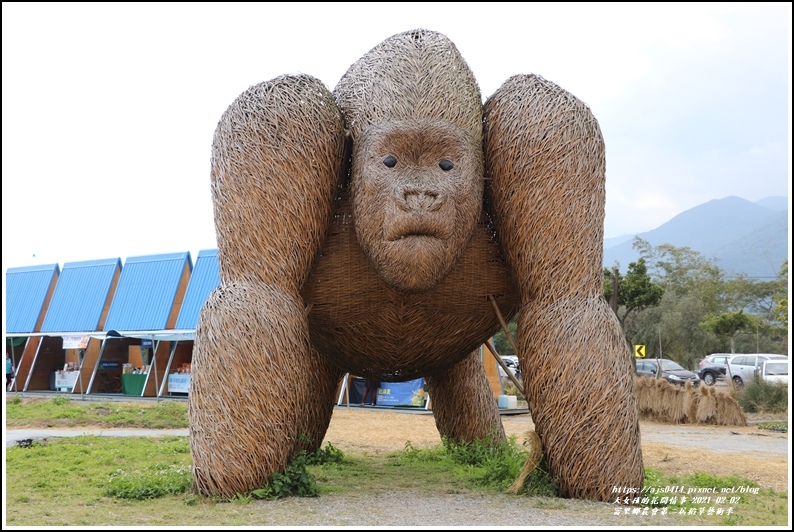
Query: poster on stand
(65, 380)
(179, 383)
(408, 393)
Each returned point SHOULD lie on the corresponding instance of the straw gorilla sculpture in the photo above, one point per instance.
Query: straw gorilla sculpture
(371, 230)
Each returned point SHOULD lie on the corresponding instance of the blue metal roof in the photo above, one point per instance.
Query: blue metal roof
(26, 292)
(147, 291)
(203, 280)
(80, 296)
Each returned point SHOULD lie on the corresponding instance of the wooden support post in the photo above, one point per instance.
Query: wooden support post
(504, 367)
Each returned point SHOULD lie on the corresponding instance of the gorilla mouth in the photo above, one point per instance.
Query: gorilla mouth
(416, 229)
(417, 234)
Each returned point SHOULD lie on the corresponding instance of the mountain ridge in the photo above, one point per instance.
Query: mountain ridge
(742, 237)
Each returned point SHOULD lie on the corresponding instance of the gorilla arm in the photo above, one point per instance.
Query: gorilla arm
(277, 155)
(545, 179)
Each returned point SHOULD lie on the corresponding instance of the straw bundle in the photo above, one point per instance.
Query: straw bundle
(663, 402)
(535, 448)
(706, 405)
(729, 411)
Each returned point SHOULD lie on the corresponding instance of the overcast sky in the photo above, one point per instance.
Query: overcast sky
(109, 109)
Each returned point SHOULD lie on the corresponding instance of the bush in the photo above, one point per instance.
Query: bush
(763, 397)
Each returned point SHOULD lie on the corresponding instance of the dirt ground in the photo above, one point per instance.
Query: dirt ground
(748, 452)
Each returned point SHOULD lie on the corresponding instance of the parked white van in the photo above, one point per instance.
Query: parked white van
(744, 368)
(775, 371)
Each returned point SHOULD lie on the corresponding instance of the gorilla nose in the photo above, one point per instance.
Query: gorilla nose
(419, 199)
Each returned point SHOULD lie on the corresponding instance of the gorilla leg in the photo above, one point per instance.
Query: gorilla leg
(259, 392)
(545, 160)
(463, 405)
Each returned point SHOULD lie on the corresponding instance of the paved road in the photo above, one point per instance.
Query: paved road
(12, 436)
(720, 439)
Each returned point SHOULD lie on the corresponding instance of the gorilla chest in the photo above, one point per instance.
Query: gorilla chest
(366, 327)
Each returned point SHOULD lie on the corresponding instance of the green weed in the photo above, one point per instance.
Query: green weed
(154, 481)
(296, 480)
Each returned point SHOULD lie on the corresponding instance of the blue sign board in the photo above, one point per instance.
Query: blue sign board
(409, 393)
(109, 364)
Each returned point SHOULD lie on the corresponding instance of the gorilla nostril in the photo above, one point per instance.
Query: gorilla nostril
(421, 200)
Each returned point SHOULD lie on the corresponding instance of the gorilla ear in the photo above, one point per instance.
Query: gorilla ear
(390, 161)
(446, 164)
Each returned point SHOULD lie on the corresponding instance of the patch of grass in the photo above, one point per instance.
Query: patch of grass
(144, 482)
(721, 501)
(481, 464)
(62, 411)
(59, 475)
(779, 426)
(96, 481)
(152, 482)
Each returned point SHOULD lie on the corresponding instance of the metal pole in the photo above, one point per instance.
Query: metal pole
(154, 364)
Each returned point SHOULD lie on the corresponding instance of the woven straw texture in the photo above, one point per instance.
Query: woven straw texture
(367, 231)
(545, 168)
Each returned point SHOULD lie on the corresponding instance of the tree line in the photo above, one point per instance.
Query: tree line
(682, 306)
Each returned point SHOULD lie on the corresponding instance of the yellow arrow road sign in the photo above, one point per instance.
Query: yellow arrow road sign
(639, 351)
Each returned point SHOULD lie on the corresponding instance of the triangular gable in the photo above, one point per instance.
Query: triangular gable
(147, 292)
(81, 295)
(204, 279)
(28, 290)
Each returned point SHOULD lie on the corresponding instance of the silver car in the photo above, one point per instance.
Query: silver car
(744, 368)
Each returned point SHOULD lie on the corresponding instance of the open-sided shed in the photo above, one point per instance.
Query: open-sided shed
(145, 306)
(78, 307)
(29, 291)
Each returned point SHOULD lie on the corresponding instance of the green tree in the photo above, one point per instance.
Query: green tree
(694, 288)
(728, 324)
(683, 271)
(779, 313)
(501, 342)
(636, 291)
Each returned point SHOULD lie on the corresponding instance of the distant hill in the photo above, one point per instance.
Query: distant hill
(741, 236)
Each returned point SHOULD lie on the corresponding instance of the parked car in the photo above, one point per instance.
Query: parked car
(744, 368)
(511, 361)
(713, 368)
(672, 371)
(775, 371)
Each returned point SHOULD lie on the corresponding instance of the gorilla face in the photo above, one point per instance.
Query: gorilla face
(417, 193)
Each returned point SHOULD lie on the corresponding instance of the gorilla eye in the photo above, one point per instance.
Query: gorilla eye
(390, 161)
(445, 164)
